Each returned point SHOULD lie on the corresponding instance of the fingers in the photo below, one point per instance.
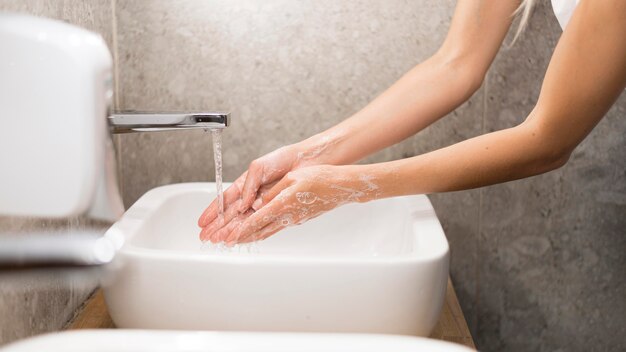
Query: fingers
(209, 232)
(265, 232)
(231, 213)
(275, 190)
(211, 212)
(251, 186)
(262, 172)
(273, 211)
(256, 222)
(230, 195)
(258, 202)
(221, 234)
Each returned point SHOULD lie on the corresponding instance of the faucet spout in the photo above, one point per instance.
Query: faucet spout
(126, 122)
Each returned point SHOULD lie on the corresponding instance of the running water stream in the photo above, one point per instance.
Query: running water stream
(216, 134)
(221, 248)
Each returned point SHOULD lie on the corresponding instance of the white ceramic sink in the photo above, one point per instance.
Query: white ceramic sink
(378, 267)
(194, 341)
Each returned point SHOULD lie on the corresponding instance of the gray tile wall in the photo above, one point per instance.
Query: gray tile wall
(551, 249)
(538, 264)
(32, 304)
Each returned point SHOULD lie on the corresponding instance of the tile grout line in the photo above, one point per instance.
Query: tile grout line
(116, 89)
(480, 210)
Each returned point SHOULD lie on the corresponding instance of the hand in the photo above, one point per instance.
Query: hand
(299, 196)
(240, 196)
(245, 193)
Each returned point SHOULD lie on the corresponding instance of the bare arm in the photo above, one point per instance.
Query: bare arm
(429, 91)
(585, 76)
(423, 95)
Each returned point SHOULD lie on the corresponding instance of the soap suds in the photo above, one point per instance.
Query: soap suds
(306, 197)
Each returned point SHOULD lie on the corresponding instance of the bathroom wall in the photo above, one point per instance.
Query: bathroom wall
(538, 264)
(551, 263)
(35, 304)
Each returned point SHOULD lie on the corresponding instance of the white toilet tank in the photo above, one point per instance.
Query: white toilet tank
(55, 88)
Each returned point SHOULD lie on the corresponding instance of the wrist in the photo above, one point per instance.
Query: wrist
(317, 150)
(376, 181)
(359, 183)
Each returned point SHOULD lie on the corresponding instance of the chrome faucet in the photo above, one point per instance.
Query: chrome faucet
(88, 251)
(137, 121)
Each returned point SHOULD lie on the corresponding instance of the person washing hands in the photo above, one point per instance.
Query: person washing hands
(298, 182)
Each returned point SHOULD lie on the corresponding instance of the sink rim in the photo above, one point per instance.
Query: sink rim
(201, 339)
(132, 220)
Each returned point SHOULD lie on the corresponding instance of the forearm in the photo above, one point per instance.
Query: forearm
(426, 93)
(497, 157)
(585, 76)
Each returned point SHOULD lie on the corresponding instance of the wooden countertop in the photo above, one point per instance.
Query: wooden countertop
(451, 326)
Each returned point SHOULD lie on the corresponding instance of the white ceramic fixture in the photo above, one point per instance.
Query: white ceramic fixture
(194, 341)
(55, 150)
(378, 267)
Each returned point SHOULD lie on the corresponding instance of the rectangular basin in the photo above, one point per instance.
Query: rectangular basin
(377, 267)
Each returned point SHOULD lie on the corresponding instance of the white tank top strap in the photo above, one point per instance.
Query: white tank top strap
(563, 9)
